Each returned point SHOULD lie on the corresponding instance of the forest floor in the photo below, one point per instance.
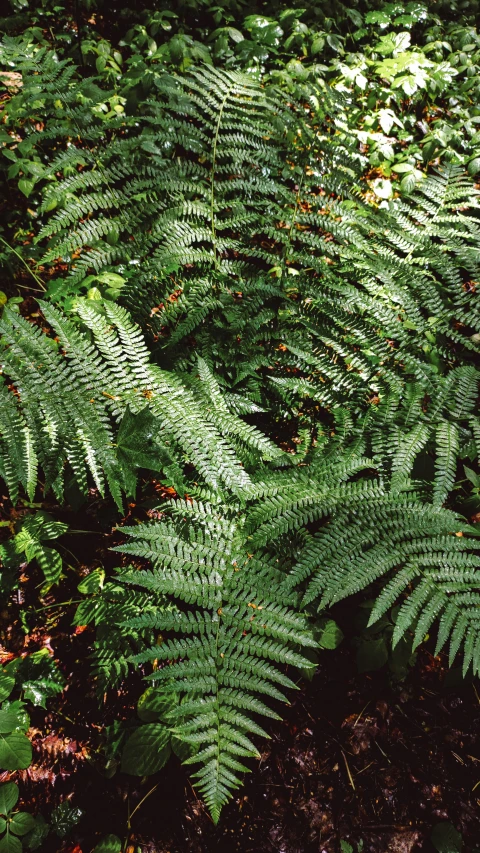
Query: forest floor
(358, 757)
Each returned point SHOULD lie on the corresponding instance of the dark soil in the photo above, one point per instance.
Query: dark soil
(356, 758)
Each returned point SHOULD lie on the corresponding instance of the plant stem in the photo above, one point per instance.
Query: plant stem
(34, 275)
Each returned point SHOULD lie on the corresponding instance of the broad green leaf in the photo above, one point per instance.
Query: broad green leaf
(92, 582)
(472, 476)
(18, 708)
(40, 690)
(8, 797)
(402, 167)
(64, 818)
(3, 824)
(50, 563)
(372, 655)
(474, 166)
(147, 750)
(408, 182)
(7, 683)
(327, 634)
(21, 823)
(155, 704)
(111, 278)
(109, 844)
(8, 721)
(446, 839)
(26, 186)
(37, 835)
(10, 844)
(15, 751)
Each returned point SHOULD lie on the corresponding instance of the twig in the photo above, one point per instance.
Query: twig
(352, 783)
(34, 275)
(141, 802)
(361, 713)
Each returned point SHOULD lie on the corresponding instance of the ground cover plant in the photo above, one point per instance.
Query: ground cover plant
(239, 339)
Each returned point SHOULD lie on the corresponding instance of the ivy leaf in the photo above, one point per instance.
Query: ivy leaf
(147, 750)
(64, 818)
(8, 797)
(15, 751)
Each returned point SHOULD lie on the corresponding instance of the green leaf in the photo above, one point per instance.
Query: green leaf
(111, 278)
(3, 824)
(137, 447)
(19, 709)
(136, 444)
(7, 683)
(64, 818)
(109, 844)
(50, 563)
(402, 167)
(345, 847)
(408, 183)
(371, 655)
(155, 705)
(15, 751)
(472, 476)
(40, 677)
(8, 721)
(35, 838)
(21, 823)
(8, 797)
(446, 839)
(10, 844)
(92, 582)
(147, 750)
(26, 186)
(327, 634)
(40, 690)
(474, 166)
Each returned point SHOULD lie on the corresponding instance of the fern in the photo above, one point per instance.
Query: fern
(232, 628)
(72, 398)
